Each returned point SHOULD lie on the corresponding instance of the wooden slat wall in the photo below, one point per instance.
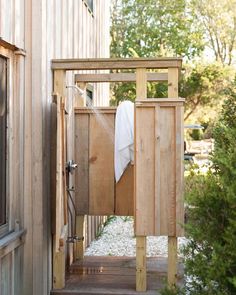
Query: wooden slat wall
(101, 160)
(159, 206)
(44, 30)
(96, 191)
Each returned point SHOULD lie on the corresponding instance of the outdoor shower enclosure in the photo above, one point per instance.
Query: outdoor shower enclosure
(151, 189)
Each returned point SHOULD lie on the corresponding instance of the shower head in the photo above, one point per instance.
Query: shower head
(81, 92)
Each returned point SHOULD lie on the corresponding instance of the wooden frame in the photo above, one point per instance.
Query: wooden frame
(119, 77)
(115, 63)
(173, 65)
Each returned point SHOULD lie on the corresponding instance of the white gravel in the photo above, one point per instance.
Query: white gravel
(117, 239)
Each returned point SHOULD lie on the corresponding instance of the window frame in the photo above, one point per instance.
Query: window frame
(8, 55)
(90, 5)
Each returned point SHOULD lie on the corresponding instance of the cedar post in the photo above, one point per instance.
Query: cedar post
(173, 78)
(141, 271)
(60, 229)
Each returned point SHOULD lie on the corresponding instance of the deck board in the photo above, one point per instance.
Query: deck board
(114, 275)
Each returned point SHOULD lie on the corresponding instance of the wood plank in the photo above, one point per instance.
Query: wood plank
(80, 232)
(124, 195)
(6, 275)
(114, 275)
(53, 146)
(179, 171)
(172, 261)
(167, 218)
(119, 77)
(101, 110)
(82, 159)
(101, 165)
(144, 171)
(141, 271)
(141, 150)
(173, 80)
(115, 63)
(58, 249)
(59, 269)
(141, 84)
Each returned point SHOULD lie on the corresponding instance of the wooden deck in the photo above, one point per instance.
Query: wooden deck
(114, 275)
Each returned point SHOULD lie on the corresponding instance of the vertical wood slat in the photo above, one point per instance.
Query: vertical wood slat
(6, 269)
(101, 163)
(141, 84)
(81, 158)
(124, 190)
(58, 239)
(173, 79)
(179, 171)
(120, 193)
(80, 232)
(141, 272)
(158, 167)
(144, 171)
(167, 163)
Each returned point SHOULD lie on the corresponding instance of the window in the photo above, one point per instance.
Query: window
(3, 139)
(90, 4)
(89, 95)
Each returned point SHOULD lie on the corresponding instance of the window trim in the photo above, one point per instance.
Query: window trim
(90, 9)
(9, 55)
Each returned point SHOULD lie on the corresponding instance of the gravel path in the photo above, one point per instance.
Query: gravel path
(117, 239)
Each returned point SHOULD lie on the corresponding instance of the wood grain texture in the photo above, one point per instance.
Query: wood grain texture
(116, 63)
(159, 167)
(101, 165)
(141, 84)
(167, 164)
(118, 77)
(144, 171)
(80, 232)
(141, 270)
(172, 261)
(124, 193)
(179, 171)
(81, 158)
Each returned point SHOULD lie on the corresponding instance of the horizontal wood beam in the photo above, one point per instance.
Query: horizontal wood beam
(115, 63)
(101, 110)
(118, 77)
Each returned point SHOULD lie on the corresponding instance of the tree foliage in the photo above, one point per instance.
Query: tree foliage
(218, 21)
(204, 85)
(153, 28)
(210, 256)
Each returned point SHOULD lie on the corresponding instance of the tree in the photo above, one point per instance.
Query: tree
(218, 21)
(153, 28)
(204, 85)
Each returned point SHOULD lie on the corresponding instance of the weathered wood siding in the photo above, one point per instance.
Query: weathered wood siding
(36, 32)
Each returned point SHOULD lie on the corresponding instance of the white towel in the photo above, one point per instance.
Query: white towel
(124, 137)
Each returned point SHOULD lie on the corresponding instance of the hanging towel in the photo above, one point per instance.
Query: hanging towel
(124, 137)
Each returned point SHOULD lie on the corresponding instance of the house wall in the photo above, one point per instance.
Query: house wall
(32, 33)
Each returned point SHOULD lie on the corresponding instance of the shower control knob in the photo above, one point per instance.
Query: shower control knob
(71, 166)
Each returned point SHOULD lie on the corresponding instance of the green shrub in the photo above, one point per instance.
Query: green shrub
(210, 255)
(196, 134)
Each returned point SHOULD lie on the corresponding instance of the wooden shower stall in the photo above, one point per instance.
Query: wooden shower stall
(151, 190)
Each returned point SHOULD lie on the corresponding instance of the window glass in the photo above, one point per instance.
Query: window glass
(3, 136)
(90, 4)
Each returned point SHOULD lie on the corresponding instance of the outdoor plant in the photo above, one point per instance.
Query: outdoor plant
(210, 255)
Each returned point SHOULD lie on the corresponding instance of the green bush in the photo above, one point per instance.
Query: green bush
(210, 255)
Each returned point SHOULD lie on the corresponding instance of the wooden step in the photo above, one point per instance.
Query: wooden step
(114, 275)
